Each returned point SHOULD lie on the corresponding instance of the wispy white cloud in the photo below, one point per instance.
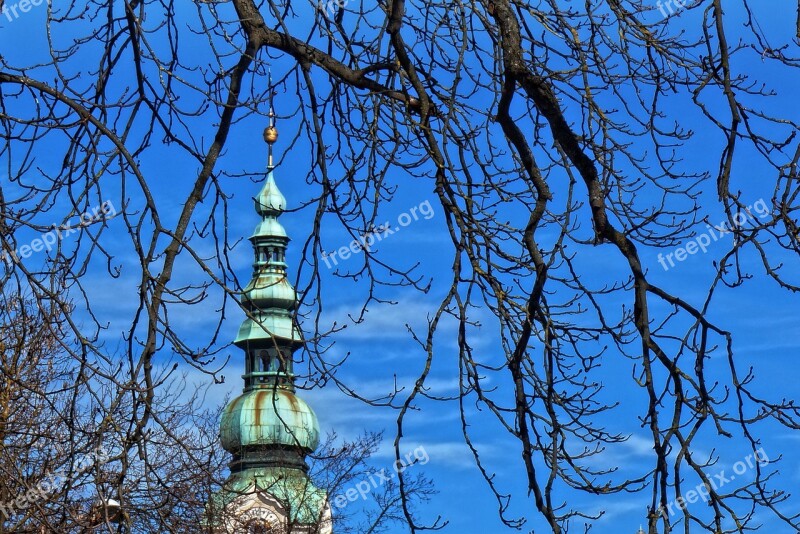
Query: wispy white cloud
(445, 454)
(382, 321)
(391, 322)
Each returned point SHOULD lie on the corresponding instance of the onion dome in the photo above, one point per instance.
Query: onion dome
(270, 290)
(269, 417)
(265, 327)
(270, 201)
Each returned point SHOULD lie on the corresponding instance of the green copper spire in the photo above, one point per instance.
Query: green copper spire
(268, 416)
(269, 334)
(268, 429)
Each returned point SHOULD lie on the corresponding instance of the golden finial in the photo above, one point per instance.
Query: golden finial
(271, 132)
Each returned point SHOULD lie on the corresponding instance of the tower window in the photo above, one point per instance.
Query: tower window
(263, 361)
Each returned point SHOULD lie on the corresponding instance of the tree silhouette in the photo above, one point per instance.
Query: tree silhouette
(555, 137)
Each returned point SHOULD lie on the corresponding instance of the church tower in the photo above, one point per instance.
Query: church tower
(268, 429)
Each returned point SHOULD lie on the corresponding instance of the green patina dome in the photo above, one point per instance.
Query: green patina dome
(270, 290)
(269, 417)
(270, 200)
(267, 325)
(269, 227)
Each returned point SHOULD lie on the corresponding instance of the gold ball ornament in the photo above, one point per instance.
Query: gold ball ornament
(270, 134)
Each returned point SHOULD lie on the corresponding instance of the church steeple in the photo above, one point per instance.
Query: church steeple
(268, 429)
(269, 335)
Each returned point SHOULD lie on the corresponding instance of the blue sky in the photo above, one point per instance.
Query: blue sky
(382, 352)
